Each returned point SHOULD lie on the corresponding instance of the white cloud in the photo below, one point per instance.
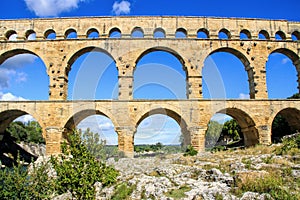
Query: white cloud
(285, 60)
(244, 96)
(221, 118)
(13, 37)
(121, 8)
(10, 97)
(44, 8)
(9, 69)
(25, 119)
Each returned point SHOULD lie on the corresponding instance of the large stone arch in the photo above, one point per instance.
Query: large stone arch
(165, 49)
(246, 122)
(77, 117)
(17, 51)
(170, 113)
(245, 61)
(80, 51)
(295, 58)
(291, 115)
(8, 116)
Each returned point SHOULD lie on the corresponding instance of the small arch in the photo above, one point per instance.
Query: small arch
(180, 33)
(159, 33)
(50, 34)
(247, 124)
(30, 35)
(296, 36)
(285, 122)
(263, 35)
(224, 34)
(203, 33)
(11, 35)
(115, 33)
(245, 35)
(279, 35)
(137, 32)
(71, 34)
(92, 33)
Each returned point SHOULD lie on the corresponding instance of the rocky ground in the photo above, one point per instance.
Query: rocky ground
(206, 176)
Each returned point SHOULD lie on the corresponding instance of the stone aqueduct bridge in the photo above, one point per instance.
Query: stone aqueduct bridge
(58, 116)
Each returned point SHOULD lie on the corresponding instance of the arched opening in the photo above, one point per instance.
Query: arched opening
(224, 34)
(159, 74)
(71, 34)
(282, 85)
(279, 35)
(137, 32)
(225, 75)
(23, 76)
(19, 132)
(296, 36)
(30, 35)
(161, 130)
(92, 33)
(202, 33)
(263, 35)
(93, 75)
(97, 130)
(159, 33)
(286, 122)
(231, 127)
(223, 130)
(11, 35)
(245, 35)
(50, 35)
(181, 33)
(115, 33)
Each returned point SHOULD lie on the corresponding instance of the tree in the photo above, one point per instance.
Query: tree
(295, 96)
(93, 143)
(26, 132)
(231, 132)
(78, 170)
(213, 133)
(280, 128)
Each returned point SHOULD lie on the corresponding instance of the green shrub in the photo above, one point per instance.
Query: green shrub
(179, 193)
(271, 184)
(78, 170)
(18, 183)
(288, 145)
(123, 191)
(190, 151)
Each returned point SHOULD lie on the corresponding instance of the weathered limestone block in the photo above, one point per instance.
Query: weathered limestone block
(125, 140)
(54, 137)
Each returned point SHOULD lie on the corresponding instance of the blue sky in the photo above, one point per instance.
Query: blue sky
(18, 75)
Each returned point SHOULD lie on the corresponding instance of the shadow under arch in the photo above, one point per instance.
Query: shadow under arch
(247, 124)
(174, 115)
(244, 61)
(292, 117)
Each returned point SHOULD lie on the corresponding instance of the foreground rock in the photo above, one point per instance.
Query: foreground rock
(206, 176)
